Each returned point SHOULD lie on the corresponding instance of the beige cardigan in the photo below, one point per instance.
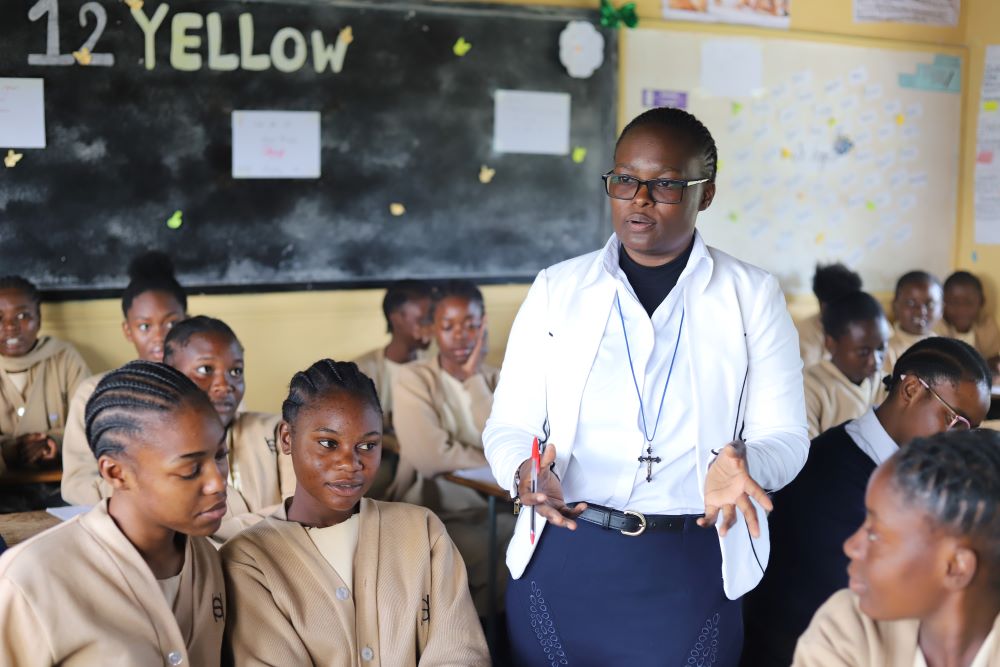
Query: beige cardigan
(898, 343)
(812, 340)
(840, 635)
(382, 371)
(54, 369)
(80, 594)
(410, 602)
(81, 483)
(832, 399)
(986, 332)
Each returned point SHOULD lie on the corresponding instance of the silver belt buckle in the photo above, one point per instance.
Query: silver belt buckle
(642, 524)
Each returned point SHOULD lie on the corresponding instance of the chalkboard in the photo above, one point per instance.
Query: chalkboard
(405, 120)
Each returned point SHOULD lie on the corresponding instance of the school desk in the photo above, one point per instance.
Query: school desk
(481, 480)
(20, 526)
(30, 476)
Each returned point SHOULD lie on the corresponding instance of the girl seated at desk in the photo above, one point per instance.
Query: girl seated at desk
(337, 579)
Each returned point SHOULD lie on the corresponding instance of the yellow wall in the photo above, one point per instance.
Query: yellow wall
(286, 332)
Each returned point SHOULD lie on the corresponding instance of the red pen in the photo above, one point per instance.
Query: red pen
(536, 464)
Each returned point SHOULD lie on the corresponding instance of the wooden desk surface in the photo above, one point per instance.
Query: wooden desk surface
(30, 476)
(20, 526)
(482, 487)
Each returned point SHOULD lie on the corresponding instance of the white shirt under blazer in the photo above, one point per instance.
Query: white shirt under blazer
(745, 376)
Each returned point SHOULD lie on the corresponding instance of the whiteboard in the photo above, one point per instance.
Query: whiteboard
(834, 152)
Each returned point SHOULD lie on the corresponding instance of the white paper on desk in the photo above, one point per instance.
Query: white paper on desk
(22, 113)
(533, 122)
(924, 12)
(484, 475)
(67, 513)
(276, 144)
(731, 67)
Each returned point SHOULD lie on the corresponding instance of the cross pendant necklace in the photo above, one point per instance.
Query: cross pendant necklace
(649, 459)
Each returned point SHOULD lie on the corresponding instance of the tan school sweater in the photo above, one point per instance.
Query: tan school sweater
(898, 343)
(985, 335)
(812, 340)
(410, 603)
(80, 595)
(81, 483)
(832, 399)
(841, 635)
(54, 369)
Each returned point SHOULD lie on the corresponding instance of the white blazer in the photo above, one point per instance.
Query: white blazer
(745, 369)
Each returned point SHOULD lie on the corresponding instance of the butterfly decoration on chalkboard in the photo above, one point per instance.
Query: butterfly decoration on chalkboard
(612, 17)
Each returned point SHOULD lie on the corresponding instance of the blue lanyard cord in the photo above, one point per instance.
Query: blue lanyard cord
(631, 367)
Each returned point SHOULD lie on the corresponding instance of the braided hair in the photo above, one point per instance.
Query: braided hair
(326, 376)
(152, 272)
(23, 286)
(955, 477)
(457, 289)
(683, 123)
(834, 281)
(116, 408)
(181, 333)
(402, 292)
(940, 359)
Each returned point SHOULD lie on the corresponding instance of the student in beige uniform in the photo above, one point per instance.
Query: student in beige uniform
(846, 385)
(260, 477)
(925, 565)
(337, 579)
(153, 302)
(441, 407)
(966, 319)
(133, 581)
(405, 306)
(830, 282)
(916, 309)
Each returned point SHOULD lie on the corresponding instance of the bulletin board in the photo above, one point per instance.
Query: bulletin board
(828, 151)
(139, 153)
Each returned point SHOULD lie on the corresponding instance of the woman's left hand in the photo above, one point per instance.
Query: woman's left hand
(728, 486)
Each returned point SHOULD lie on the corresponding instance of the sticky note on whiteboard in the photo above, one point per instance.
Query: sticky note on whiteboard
(22, 113)
(531, 122)
(276, 144)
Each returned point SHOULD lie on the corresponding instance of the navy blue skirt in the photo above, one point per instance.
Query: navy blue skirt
(596, 597)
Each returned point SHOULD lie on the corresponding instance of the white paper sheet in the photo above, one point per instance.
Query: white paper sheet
(67, 513)
(924, 12)
(987, 174)
(531, 122)
(731, 68)
(276, 144)
(22, 113)
(991, 73)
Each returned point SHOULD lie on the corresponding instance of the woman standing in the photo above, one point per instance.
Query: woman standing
(642, 361)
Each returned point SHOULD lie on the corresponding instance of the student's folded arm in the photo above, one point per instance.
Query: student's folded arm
(519, 405)
(455, 636)
(25, 640)
(775, 419)
(258, 632)
(428, 447)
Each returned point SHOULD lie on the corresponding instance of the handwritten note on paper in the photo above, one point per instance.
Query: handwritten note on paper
(276, 144)
(924, 12)
(987, 174)
(22, 113)
(531, 122)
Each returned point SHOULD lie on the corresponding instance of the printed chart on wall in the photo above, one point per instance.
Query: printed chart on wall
(827, 151)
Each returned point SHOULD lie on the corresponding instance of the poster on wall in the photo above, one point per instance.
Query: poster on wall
(765, 13)
(923, 12)
(987, 180)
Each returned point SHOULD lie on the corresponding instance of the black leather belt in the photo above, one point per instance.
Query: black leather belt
(631, 523)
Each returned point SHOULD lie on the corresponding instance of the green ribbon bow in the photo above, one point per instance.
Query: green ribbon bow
(611, 17)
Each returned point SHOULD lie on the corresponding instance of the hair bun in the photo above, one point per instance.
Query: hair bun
(152, 265)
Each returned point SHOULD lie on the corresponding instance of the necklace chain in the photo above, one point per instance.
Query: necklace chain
(635, 382)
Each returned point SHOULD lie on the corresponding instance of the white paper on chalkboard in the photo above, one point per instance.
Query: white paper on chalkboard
(731, 68)
(531, 122)
(22, 113)
(923, 12)
(276, 144)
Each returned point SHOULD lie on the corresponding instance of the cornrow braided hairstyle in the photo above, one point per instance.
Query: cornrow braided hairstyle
(459, 289)
(22, 285)
(181, 333)
(402, 292)
(152, 272)
(115, 410)
(327, 376)
(955, 477)
(940, 359)
(683, 123)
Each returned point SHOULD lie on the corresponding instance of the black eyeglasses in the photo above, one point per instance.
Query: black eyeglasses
(661, 190)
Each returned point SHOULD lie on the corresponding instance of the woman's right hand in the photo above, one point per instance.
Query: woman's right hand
(548, 500)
